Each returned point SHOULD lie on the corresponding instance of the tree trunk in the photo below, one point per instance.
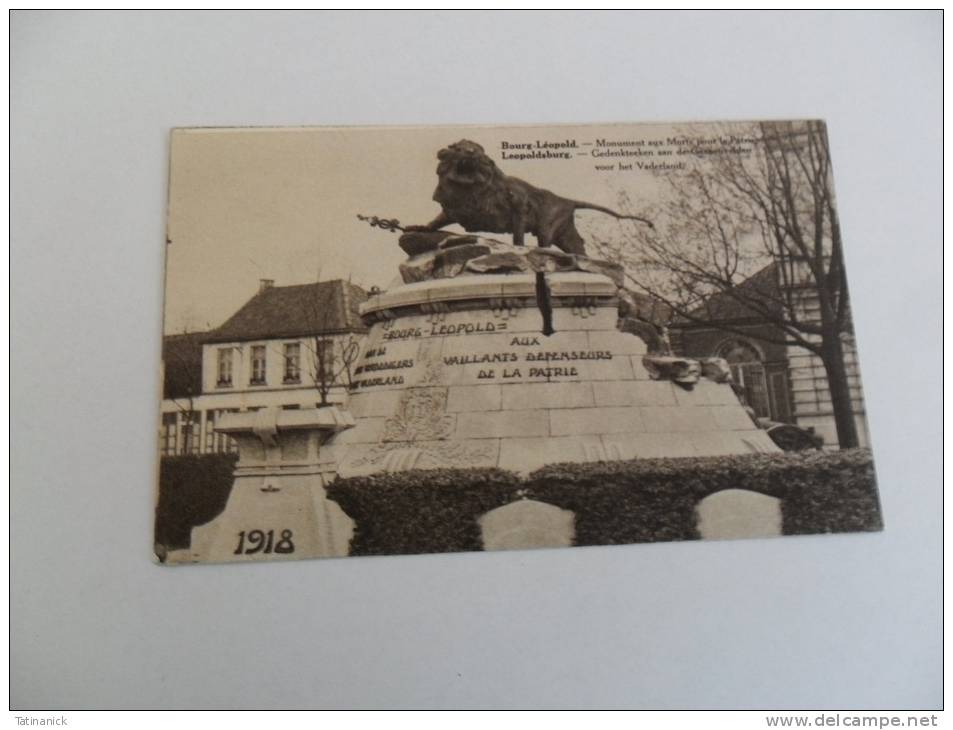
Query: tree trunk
(833, 358)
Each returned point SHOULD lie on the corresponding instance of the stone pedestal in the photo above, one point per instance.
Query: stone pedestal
(457, 372)
(278, 507)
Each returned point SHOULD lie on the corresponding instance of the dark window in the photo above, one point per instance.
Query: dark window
(292, 362)
(168, 436)
(224, 367)
(747, 371)
(210, 432)
(258, 365)
(780, 399)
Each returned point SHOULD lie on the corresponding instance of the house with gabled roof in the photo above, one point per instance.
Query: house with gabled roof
(288, 347)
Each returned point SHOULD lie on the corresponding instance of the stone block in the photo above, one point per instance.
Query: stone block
(616, 342)
(361, 460)
(759, 442)
(618, 368)
(707, 393)
(502, 424)
(405, 295)
(578, 283)
(474, 398)
(475, 345)
(365, 405)
(563, 341)
(524, 455)
(624, 419)
(485, 286)
(519, 285)
(732, 418)
(738, 513)
(367, 431)
(649, 445)
(523, 396)
(717, 394)
(389, 350)
(677, 419)
(569, 319)
(718, 443)
(470, 375)
(634, 393)
(690, 397)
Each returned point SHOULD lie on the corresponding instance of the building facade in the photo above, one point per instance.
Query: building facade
(287, 347)
(780, 382)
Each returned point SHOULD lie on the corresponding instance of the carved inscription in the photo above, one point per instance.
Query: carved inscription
(480, 359)
(493, 355)
(373, 382)
(541, 360)
(439, 329)
(372, 364)
(386, 365)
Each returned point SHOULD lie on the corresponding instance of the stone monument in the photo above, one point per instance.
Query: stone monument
(487, 354)
(482, 354)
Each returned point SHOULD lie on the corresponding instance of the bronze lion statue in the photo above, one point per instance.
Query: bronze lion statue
(475, 193)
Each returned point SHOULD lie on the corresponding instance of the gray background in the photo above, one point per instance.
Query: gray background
(846, 621)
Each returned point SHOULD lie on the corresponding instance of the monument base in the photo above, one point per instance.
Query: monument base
(278, 507)
(457, 372)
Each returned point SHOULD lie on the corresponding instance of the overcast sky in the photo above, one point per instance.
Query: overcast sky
(250, 204)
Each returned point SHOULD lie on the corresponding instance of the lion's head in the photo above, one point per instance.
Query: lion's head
(466, 163)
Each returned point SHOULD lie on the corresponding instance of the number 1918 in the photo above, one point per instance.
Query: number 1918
(259, 541)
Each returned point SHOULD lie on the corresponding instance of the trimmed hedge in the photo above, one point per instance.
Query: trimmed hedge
(421, 511)
(193, 490)
(618, 502)
(647, 500)
(837, 494)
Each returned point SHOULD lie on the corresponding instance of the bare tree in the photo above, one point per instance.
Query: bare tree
(332, 354)
(769, 200)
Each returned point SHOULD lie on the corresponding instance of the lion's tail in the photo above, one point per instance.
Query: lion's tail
(614, 214)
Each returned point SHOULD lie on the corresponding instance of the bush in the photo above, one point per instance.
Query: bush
(626, 501)
(617, 502)
(833, 494)
(193, 490)
(421, 511)
(646, 500)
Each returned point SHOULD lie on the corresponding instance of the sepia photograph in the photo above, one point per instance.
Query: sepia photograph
(398, 340)
(605, 348)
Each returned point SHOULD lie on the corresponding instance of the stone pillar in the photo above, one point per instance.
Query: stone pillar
(278, 507)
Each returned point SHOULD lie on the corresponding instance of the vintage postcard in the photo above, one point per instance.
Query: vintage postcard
(434, 339)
